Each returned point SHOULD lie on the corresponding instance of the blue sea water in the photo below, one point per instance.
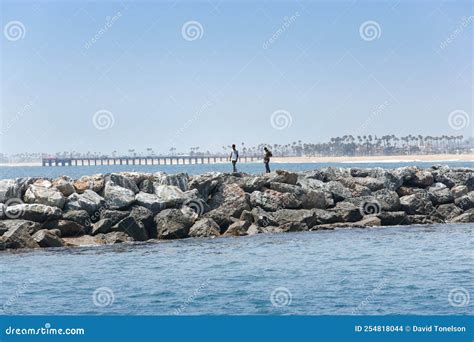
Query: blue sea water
(375, 271)
(78, 171)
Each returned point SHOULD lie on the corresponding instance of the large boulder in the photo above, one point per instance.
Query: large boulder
(67, 228)
(79, 216)
(118, 197)
(205, 227)
(419, 203)
(95, 183)
(309, 198)
(207, 184)
(238, 228)
(171, 195)
(346, 212)
(132, 227)
(88, 200)
(440, 194)
(113, 238)
(114, 215)
(46, 238)
(180, 180)
(45, 195)
(102, 226)
(422, 179)
(467, 217)
(146, 217)
(121, 181)
(282, 176)
(30, 226)
(388, 199)
(259, 216)
(174, 223)
(9, 188)
(393, 218)
(253, 183)
(339, 192)
(271, 200)
(373, 184)
(448, 211)
(305, 216)
(229, 201)
(465, 202)
(459, 190)
(65, 185)
(18, 237)
(33, 212)
(150, 201)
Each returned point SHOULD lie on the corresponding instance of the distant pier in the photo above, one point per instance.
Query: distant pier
(150, 160)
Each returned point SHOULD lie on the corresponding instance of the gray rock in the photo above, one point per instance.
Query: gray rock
(338, 191)
(33, 212)
(393, 218)
(406, 191)
(150, 201)
(306, 216)
(448, 211)
(424, 219)
(180, 180)
(121, 181)
(422, 178)
(102, 226)
(132, 227)
(238, 228)
(118, 197)
(440, 194)
(174, 223)
(419, 203)
(114, 215)
(373, 184)
(9, 188)
(88, 200)
(45, 238)
(207, 184)
(347, 212)
(309, 198)
(205, 227)
(271, 200)
(262, 218)
(467, 217)
(229, 201)
(43, 195)
(170, 195)
(114, 237)
(388, 199)
(459, 191)
(465, 202)
(67, 228)
(145, 216)
(30, 226)
(18, 237)
(79, 216)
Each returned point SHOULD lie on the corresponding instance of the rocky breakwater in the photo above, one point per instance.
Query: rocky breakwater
(125, 207)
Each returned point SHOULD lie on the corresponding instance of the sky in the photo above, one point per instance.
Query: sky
(105, 76)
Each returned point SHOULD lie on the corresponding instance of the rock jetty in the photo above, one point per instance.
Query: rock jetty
(131, 206)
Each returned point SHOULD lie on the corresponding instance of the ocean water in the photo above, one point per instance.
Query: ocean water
(254, 168)
(376, 271)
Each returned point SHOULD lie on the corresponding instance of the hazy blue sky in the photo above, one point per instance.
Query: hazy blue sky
(161, 86)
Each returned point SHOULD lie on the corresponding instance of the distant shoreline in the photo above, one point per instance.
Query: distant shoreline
(342, 160)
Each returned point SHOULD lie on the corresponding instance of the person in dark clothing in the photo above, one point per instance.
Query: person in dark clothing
(266, 159)
(234, 157)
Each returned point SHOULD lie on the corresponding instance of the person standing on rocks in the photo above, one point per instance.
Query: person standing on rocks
(234, 157)
(266, 159)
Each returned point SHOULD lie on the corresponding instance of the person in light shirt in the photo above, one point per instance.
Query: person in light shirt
(234, 157)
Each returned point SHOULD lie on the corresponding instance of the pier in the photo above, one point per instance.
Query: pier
(149, 160)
